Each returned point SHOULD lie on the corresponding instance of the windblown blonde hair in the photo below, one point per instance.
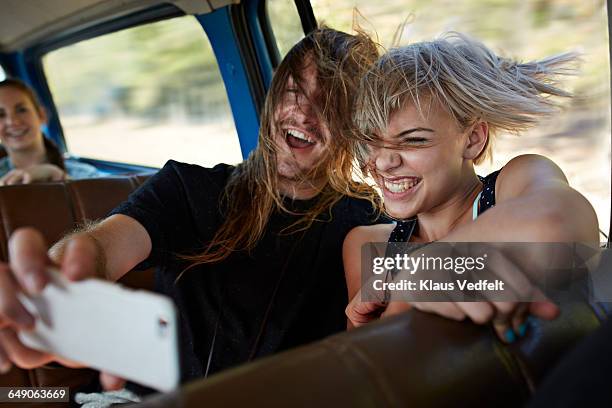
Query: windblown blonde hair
(464, 77)
(252, 193)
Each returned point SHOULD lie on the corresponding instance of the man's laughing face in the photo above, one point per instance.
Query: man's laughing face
(300, 135)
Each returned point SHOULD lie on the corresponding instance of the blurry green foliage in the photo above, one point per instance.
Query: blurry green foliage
(147, 71)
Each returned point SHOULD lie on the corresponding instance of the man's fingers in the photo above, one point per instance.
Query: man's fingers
(19, 354)
(110, 382)
(28, 259)
(12, 311)
(80, 257)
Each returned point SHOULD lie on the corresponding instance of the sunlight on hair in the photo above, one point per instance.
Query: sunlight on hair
(468, 79)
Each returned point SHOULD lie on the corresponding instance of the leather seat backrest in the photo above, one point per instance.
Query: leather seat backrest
(411, 360)
(56, 209)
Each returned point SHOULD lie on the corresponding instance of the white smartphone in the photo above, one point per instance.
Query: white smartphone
(128, 333)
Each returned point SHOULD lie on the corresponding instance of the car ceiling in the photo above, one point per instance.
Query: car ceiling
(24, 23)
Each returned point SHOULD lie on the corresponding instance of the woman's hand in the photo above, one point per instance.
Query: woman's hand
(508, 318)
(507, 311)
(33, 174)
(360, 313)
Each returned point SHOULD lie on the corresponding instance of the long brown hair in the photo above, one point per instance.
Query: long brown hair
(252, 193)
(54, 155)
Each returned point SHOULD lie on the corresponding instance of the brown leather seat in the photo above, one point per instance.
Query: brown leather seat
(56, 209)
(412, 360)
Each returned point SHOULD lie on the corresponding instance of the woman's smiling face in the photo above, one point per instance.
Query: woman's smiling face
(418, 160)
(20, 120)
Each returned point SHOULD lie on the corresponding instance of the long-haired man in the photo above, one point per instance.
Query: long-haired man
(251, 254)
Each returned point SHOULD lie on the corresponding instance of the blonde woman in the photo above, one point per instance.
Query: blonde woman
(426, 115)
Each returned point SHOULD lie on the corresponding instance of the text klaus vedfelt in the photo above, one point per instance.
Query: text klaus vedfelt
(403, 263)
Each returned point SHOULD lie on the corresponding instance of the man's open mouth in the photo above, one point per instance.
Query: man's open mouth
(298, 140)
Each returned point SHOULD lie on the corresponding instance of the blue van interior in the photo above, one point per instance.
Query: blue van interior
(363, 368)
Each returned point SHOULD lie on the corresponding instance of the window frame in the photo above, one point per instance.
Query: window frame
(307, 20)
(609, 13)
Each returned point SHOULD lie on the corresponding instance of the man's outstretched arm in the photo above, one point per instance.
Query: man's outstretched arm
(106, 250)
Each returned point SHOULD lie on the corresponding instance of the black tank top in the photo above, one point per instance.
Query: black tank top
(404, 229)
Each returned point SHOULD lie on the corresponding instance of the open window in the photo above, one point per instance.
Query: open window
(287, 21)
(144, 95)
(286, 24)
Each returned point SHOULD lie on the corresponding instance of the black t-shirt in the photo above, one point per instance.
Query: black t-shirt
(293, 282)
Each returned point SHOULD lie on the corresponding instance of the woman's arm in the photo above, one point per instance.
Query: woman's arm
(359, 312)
(534, 203)
(351, 252)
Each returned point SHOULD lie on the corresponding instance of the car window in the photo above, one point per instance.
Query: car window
(286, 24)
(144, 95)
(578, 140)
(2, 74)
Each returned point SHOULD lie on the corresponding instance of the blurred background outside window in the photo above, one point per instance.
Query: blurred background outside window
(578, 139)
(144, 95)
(286, 24)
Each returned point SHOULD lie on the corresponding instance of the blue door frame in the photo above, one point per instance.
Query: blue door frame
(218, 27)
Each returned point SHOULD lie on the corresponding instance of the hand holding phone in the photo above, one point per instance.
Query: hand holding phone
(128, 333)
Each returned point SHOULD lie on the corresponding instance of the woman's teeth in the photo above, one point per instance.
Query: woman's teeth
(400, 186)
(16, 133)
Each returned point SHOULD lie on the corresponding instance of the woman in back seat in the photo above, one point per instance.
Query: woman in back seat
(31, 157)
